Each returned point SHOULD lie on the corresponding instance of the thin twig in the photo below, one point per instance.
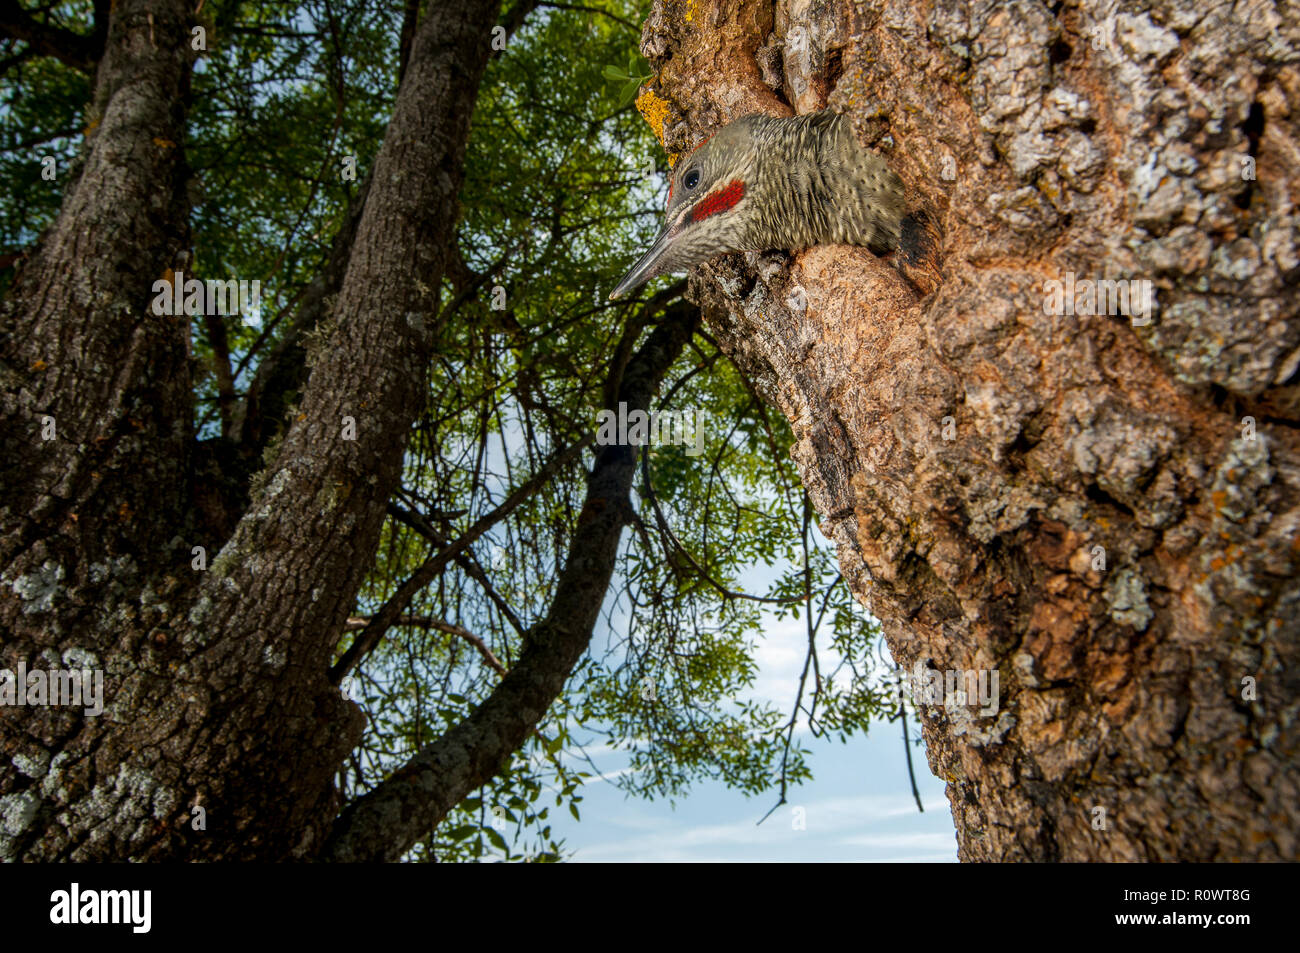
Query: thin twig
(907, 747)
(582, 7)
(429, 622)
(668, 533)
(370, 636)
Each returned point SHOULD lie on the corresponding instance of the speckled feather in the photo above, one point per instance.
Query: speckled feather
(821, 187)
(768, 183)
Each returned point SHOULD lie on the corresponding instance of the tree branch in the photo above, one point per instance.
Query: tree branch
(465, 560)
(216, 328)
(384, 824)
(287, 577)
(429, 622)
(410, 20)
(583, 8)
(515, 17)
(284, 370)
(385, 618)
(675, 545)
(68, 47)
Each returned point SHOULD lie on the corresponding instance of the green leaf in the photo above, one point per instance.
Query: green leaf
(497, 840)
(614, 74)
(629, 91)
(460, 833)
(573, 809)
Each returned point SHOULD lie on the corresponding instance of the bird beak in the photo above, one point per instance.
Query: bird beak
(652, 264)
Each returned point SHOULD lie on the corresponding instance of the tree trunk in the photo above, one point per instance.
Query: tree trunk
(1103, 511)
(215, 677)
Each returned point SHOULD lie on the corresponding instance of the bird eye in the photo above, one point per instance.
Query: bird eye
(692, 179)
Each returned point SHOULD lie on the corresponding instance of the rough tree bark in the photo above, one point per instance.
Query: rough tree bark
(218, 687)
(216, 682)
(969, 452)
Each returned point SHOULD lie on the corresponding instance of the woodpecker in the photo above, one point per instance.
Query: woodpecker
(762, 183)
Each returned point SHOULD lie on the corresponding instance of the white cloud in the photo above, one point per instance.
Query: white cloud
(836, 829)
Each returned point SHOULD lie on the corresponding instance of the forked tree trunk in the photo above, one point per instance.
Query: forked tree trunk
(1104, 511)
(215, 677)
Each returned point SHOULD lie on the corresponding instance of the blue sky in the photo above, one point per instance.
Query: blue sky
(858, 806)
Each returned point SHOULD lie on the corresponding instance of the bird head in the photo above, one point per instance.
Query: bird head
(774, 182)
(709, 194)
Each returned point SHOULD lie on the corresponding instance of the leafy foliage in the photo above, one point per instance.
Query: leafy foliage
(629, 80)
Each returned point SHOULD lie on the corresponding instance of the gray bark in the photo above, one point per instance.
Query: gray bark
(217, 681)
(971, 454)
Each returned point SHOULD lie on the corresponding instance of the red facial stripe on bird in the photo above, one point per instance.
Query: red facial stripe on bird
(719, 201)
(670, 197)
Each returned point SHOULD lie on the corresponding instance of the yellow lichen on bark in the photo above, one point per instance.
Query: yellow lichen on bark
(655, 111)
